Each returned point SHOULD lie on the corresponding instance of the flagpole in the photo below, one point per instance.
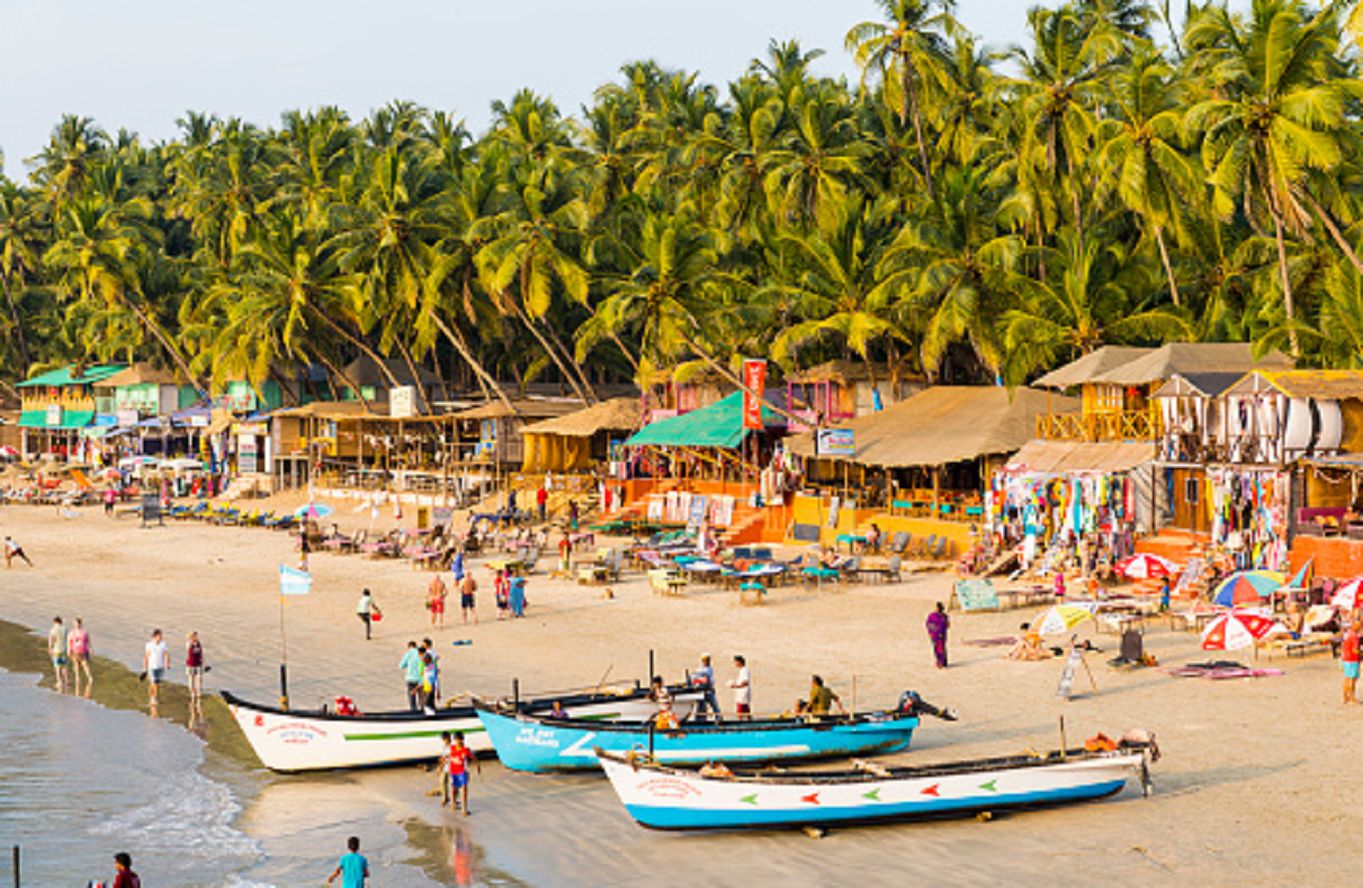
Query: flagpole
(283, 658)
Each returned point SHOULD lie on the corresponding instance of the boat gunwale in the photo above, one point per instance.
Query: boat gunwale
(446, 714)
(893, 722)
(904, 772)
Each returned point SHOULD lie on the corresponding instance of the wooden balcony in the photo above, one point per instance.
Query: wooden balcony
(1117, 425)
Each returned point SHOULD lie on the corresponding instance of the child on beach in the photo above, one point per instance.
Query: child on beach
(456, 759)
(352, 868)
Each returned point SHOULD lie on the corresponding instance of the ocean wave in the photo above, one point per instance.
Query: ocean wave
(191, 814)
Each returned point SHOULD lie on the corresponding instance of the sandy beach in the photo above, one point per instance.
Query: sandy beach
(1257, 786)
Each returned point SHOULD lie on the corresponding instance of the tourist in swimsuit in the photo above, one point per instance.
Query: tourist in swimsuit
(79, 649)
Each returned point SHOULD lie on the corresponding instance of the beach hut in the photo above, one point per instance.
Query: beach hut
(921, 466)
(1116, 384)
(57, 405)
(573, 441)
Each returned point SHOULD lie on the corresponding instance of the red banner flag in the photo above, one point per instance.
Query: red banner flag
(754, 383)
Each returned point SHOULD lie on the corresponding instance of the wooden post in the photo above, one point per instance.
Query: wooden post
(936, 489)
(16, 866)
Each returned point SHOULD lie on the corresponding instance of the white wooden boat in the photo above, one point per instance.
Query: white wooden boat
(664, 797)
(317, 740)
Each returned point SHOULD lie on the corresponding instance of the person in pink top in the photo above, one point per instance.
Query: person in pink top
(78, 650)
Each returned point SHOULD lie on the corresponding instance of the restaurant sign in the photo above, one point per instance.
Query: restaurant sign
(835, 442)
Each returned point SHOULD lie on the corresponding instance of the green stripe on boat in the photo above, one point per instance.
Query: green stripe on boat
(412, 735)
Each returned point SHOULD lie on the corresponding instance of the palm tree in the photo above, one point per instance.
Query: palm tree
(21, 244)
(1275, 110)
(838, 292)
(1140, 159)
(908, 52)
(1092, 297)
(955, 271)
(62, 169)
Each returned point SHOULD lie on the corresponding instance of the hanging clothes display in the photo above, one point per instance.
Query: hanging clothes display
(1249, 515)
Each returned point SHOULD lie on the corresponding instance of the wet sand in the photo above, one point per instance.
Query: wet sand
(1258, 784)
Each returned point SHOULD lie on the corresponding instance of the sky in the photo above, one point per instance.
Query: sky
(141, 64)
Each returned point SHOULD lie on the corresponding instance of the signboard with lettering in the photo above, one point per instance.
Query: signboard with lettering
(835, 442)
(402, 401)
(127, 418)
(54, 415)
(247, 455)
(977, 595)
(754, 384)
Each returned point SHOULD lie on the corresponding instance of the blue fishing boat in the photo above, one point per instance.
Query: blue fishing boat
(663, 797)
(533, 742)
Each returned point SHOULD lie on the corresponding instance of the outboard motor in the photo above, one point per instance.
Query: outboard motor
(911, 703)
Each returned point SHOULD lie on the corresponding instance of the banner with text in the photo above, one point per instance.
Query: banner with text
(754, 385)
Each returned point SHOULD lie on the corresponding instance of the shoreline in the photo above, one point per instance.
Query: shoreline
(1228, 745)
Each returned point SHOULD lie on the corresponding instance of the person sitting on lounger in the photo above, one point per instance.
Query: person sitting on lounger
(1029, 646)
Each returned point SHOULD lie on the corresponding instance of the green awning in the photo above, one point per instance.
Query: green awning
(71, 419)
(719, 425)
(69, 376)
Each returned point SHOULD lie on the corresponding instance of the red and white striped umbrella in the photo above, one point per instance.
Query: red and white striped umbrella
(1143, 566)
(1349, 595)
(1237, 629)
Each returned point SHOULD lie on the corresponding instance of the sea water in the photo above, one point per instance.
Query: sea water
(79, 782)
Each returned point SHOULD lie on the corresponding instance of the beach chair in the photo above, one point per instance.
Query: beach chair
(532, 558)
(851, 569)
(938, 550)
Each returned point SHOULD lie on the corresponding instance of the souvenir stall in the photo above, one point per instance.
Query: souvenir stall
(1075, 503)
(1249, 514)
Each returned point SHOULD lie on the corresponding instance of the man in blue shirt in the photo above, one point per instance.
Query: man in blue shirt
(353, 868)
(412, 668)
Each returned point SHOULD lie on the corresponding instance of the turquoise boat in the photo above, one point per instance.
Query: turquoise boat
(531, 742)
(663, 797)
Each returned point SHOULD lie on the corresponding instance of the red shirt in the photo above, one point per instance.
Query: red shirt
(126, 879)
(459, 757)
(1348, 651)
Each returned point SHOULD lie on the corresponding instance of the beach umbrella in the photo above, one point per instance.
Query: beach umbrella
(1247, 587)
(8, 451)
(1349, 596)
(313, 510)
(1061, 618)
(1237, 629)
(1143, 566)
(1302, 578)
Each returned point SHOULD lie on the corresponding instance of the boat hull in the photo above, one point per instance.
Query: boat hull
(526, 743)
(311, 741)
(663, 798)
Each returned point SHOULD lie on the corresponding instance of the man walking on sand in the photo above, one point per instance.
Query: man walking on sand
(12, 551)
(742, 685)
(155, 664)
(467, 604)
(56, 649)
(1348, 659)
(367, 611)
(436, 593)
(412, 668)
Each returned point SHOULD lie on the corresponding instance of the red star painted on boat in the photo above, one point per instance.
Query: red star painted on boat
(812, 798)
(932, 791)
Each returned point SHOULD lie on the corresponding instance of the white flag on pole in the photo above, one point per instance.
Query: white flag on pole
(293, 581)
